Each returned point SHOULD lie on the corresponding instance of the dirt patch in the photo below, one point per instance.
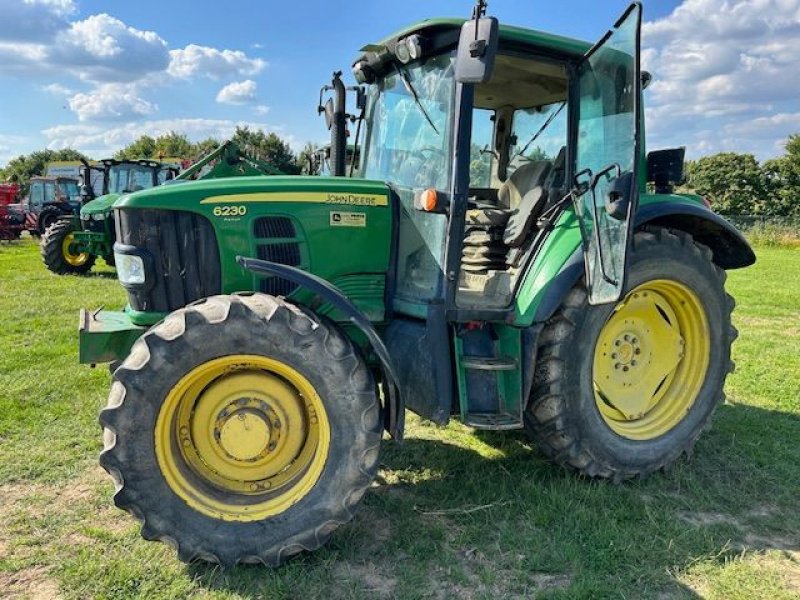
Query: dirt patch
(506, 583)
(708, 519)
(774, 542)
(32, 583)
(374, 579)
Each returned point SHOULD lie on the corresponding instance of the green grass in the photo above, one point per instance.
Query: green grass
(723, 525)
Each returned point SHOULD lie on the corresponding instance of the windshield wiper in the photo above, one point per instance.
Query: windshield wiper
(407, 82)
(536, 135)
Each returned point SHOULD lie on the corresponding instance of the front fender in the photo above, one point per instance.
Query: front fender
(394, 412)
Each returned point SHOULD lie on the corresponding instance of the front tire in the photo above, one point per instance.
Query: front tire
(623, 390)
(241, 429)
(58, 250)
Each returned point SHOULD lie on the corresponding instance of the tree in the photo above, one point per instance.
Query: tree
(733, 182)
(480, 166)
(143, 147)
(306, 158)
(22, 168)
(267, 147)
(782, 178)
(173, 144)
(203, 147)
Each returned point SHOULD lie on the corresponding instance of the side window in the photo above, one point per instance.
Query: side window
(480, 149)
(49, 192)
(37, 195)
(540, 134)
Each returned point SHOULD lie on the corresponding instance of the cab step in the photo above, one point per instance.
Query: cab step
(491, 363)
(494, 422)
(490, 376)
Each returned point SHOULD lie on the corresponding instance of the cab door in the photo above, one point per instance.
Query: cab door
(606, 186)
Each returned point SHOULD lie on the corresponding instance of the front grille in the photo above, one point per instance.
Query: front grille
(185, 256)
(282, 252)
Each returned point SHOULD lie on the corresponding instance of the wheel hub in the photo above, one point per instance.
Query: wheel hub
(76, 259)
(245, 434)
(640, 357)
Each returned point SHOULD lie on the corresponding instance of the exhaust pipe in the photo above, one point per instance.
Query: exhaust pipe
(339, 128)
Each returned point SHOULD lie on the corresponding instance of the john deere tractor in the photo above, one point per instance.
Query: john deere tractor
(277, 326)
(73, 243)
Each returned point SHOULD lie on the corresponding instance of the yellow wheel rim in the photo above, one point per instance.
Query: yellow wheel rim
(242, 438)
(76, 259)
(651, 360)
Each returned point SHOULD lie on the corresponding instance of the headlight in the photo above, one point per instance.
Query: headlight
(130, 269)
(98, 216)
(414, 44)
(401, 52)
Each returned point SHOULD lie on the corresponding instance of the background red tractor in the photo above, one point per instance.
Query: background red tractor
(11, 214)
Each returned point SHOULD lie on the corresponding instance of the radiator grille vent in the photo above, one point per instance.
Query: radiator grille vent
(284, 252)
(275, 227)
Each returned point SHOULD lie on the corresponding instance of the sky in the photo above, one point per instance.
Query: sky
(96, 75)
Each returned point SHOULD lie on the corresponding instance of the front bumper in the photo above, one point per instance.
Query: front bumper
(106, 336)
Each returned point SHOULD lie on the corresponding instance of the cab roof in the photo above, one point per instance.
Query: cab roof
(510, 36)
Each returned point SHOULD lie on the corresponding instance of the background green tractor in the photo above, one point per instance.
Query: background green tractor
(276, 326)
(73, 243)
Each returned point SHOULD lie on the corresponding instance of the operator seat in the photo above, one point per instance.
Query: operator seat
(527, 196)
(523, 180)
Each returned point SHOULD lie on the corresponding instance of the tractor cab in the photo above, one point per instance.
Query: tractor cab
(48, 199)
(484, 166)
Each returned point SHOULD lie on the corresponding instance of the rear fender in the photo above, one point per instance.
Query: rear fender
(729, 247)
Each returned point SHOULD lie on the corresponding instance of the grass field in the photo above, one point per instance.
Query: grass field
(452, 515)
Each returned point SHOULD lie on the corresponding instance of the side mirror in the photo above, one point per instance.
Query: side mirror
(477, 50)
(328, 110)
(618, 196)
(665, 169)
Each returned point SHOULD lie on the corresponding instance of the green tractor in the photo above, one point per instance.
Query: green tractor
(277, 326)
(72, 244)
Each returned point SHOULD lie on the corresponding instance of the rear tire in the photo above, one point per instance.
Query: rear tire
(56, 253)
(597, 406)
(47, 218)
(208, 510)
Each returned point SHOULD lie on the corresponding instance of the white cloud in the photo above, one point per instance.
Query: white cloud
(238, 92)
(99, 141)
(211, 62)
(261, 109)
(34, 20)
(57, 89)
(110, 102)
(720, 67)
(102, 48)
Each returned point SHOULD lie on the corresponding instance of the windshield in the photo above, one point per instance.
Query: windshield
(129, 178)
(402, 146)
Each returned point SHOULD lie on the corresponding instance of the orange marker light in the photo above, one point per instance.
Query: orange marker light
(428, 200)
